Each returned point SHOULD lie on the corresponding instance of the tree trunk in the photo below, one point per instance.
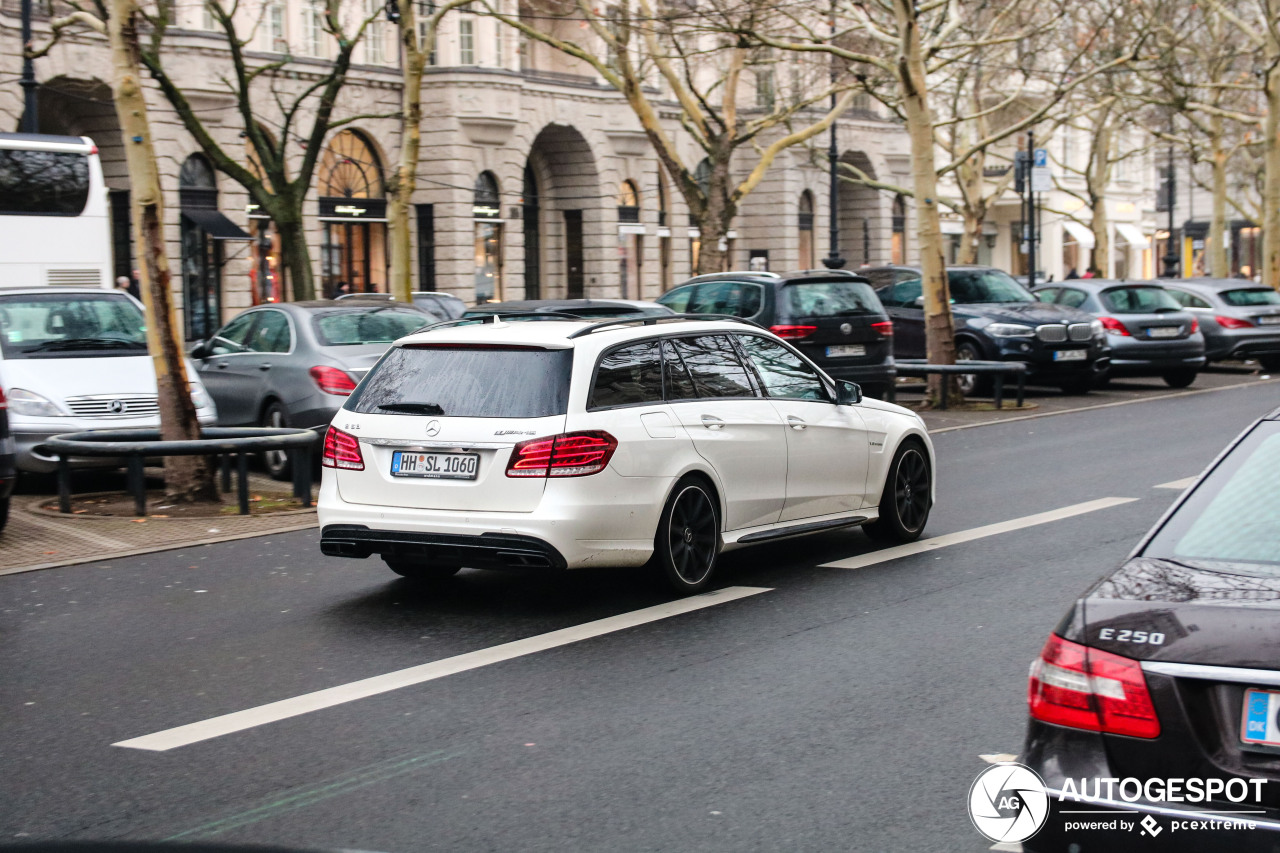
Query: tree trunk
(296, 258)
(940, 340)
(1271, 188)
(972, 234)
(715, 222)
(405, 180)
(1099, 177)
(187, 478)
(1219, 267)
(1101, 236)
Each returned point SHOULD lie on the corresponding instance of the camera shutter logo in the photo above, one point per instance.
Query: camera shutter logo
(1008, 803)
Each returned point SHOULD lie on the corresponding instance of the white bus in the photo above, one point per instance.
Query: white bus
(54, 223)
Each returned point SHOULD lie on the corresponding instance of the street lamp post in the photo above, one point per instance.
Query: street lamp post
(1170, 196)
(30, 122)
(833, 261)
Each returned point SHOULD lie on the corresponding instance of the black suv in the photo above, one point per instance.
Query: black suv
(998, 319)
(832, 316)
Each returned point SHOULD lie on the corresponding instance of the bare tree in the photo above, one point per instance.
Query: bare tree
(701, 57)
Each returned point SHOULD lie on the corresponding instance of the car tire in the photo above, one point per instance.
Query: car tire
(907, 497)
(1179, 378)
(1270, 363)
(4, 513)
(687, 544)
(276, 462)
(419, 571)
(972, 384)
(1076, 387)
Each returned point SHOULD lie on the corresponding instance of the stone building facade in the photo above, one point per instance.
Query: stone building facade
(535, 178)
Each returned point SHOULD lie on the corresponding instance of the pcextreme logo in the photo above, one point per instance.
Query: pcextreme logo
(1008, 802)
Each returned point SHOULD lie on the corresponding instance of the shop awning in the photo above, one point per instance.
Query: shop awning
(215, 224)
(1083, 236)
(952, 226)
(1133, 235)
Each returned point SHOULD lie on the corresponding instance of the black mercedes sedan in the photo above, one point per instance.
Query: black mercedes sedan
(997, 319)
(1156, 700)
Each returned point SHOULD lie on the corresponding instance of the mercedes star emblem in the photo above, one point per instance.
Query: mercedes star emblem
(433, 428)
(118, 407)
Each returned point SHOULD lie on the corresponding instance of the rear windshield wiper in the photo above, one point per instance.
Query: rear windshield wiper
(85, 343)
(412, 408)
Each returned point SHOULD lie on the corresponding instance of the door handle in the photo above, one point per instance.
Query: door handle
(712, 422)
(222, 365)
(795, 423)
(264, 367)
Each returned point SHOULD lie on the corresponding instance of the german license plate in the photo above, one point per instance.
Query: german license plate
(1269, 321)
(1164, 331)
(438, 466)
(846, 350)
(1070, 355)
(1259, 723)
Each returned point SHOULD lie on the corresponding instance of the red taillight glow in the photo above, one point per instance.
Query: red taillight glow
(884, 329)
(1114, 326)
(4, 404)
(1195, 326)
(793, 333)
(333, 381)
(1233, 323)
(572, 454)
(342, 450)
(1082, 688)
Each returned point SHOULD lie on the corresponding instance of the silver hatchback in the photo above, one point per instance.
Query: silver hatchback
(1239, 319)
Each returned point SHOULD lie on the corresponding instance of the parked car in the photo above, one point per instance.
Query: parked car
(445, 305)
(294, 363)
(8, 468)
(600, 309)
(1239, 319)
(1149, 332)
(1165, 670)
(569, 444)
(997, 319)
(832, 316)
(75, 359)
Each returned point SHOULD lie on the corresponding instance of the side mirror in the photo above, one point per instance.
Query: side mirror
(848, 393)
(200, 349)
(918, 301)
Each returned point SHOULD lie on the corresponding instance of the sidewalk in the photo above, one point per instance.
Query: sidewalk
(35, 539)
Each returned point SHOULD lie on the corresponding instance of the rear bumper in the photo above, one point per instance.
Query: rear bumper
(1154, 366)
(486, 551)
(1243, 343)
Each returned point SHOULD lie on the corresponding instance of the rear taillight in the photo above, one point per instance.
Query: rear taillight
(1233, 323)
(1082, 688)
(342, 450)
(793, 333)
(4, 404)
(332, 380)
(573, 454)
(1113, 326)
(1195, 326)
(884, 329)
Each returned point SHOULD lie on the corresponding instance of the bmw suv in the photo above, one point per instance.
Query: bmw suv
(998, 319)
(832, 316)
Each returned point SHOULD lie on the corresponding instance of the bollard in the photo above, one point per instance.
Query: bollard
(137, 479)
(242, 488)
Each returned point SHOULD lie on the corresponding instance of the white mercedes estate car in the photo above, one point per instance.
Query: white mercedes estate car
(563, 444)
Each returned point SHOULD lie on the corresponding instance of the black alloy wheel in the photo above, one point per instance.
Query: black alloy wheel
(688, 540)
(419, 571)
(1270, 363)
(277, 462)
(907, 497)
(971, 383)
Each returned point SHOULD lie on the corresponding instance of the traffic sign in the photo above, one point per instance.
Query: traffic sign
(1042, 158)
(1041, 174)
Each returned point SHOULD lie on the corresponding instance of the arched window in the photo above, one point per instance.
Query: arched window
(702, 175)
(201, 252)
(804, 224)
(628, 202)
(899, 246)
(487, 204)
(350, 168)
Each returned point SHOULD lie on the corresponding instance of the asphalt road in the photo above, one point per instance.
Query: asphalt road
(838, 710)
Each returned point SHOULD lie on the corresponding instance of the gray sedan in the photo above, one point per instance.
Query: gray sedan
(295, 363)
(1149, 333)
(1239, 319)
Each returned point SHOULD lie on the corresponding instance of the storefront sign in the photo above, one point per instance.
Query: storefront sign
(374, 209)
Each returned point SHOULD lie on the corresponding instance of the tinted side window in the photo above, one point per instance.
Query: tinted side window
(783, 373)
(713, 364)
(1072, 298)
(679, 385)
(232, 337)
(272, 333)
(903, 294)
(628, 375)
(1187, 300)
(43, 183)
(678, 300)
(1048, 294)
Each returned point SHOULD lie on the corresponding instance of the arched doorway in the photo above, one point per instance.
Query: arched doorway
(861, 217)
(804, 227)
(664, 235)
(353, 211)
(630, 242)
(898, 247)
(486, 209)
(569, 209)
(531, 214)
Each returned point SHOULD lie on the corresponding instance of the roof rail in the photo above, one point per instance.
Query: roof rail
(765, 273)
(654, 319)
(490, 318)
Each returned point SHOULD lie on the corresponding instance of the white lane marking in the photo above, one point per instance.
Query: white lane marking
(1006, 847)
(1184, 483)
(886, 554)
(343, 693)
(998, 757)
